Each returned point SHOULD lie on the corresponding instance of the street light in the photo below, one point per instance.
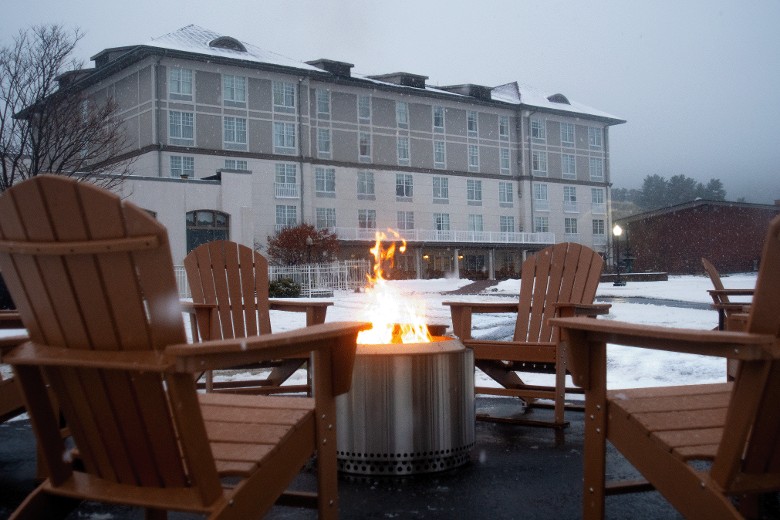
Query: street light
(616, 232)
(309, 243)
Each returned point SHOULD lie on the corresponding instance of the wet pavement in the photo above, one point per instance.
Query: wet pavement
(515, 472)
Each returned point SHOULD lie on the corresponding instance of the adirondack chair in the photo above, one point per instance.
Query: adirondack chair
(666, 432)
(11, 403)
(231, 281)
(93, 280)
(720, 296)
(559, 280)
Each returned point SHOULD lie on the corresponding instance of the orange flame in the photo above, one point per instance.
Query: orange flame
(395, 318)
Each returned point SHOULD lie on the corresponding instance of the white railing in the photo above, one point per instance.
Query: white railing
(432, 235)
(314, 279)
(570, 207)
(286, 190)
(599, 208)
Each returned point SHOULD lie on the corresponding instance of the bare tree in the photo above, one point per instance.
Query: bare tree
(47, 124)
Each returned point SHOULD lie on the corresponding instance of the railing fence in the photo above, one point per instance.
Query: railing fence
(314, 279)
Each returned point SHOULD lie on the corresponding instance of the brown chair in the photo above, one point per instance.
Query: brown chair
(231, 280)
(560, 280)
(11, 403)
(93, 280)
(720, 296)
(703, 447)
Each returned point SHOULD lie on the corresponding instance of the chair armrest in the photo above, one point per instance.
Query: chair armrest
(460, 313)
(731, 292)
(315, 311)
(581, 334)
(10, 320)
(582, 309)
(203, 318)
(9, 342)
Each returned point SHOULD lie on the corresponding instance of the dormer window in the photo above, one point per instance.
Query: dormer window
(558, 98)
(227, 42)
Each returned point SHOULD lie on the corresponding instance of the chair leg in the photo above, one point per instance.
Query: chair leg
(595, 462)
(40, 504)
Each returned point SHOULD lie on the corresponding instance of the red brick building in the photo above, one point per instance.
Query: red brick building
(674, 239)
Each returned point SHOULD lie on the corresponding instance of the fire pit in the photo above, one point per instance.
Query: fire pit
(410, 409)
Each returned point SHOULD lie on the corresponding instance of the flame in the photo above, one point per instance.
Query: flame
(396, 318)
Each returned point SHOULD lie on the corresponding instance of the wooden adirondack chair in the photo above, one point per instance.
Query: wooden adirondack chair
(662, 431)
(231, 280)
(720, 296)
(560, 280)
(93, 280)
(11, 403)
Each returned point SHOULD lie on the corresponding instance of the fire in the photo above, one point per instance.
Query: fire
(395, 318)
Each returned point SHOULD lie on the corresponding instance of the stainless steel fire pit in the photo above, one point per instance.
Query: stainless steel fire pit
(410, 409)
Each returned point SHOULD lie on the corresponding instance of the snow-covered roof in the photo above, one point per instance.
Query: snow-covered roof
(517, 93)
(193, 38)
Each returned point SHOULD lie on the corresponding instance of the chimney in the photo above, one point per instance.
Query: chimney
(337, 68)
(405, 79)
(469, 89)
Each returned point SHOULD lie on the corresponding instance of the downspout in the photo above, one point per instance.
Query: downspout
(301, 154)
(530, 165)
(156, 116)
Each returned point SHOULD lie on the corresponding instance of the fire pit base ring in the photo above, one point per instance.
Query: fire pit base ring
(410, 409)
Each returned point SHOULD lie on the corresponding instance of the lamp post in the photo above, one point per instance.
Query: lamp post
(309, 243)
(616, 232)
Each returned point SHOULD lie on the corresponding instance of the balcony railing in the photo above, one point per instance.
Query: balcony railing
(286, 190)
(570, 206)
(432, 235)
(599, 208)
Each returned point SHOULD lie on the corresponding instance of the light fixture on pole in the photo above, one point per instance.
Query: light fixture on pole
(309, 243)
(616, 232)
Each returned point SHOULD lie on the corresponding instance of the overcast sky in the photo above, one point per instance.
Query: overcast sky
(697, 80)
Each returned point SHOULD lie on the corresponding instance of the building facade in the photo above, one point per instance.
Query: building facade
(232, 141)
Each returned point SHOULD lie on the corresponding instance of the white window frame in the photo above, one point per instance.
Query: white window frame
(439, 154)
(364, 145)
(472, 123)
(506, 223)
(325, 181)
(438, 113)
(180, 83)
(286, 216)
(184, 125)
(284, 138)
(405, 220)
(234, 132)
(233, 89)
(541, 196)
(503, 128)
(283, 94)
(539, 163)
(568, 166)
(402, 150)
(567, 134)
(570, 226)
(325, 218)
(286, 181)
(182, 166)
(595, 137)
(541, 224)
(404, 186)
(538, 130)
(365, 184)
(402, 114)
(322, 98)
(599, 227)
(473, 151)
(323, 143)
(506, 194)
(441, 221)
(367, 219)
(475, 222)
(364, 108)
(441, 189)
(504, 160)
(473, 192)
(596, 168)
(236, 164)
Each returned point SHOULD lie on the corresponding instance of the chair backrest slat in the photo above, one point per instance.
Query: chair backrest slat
(121, 420)
(563, 273)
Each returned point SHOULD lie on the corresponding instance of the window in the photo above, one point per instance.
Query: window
(325, 182)
(506, 224)
(441, 190)
(286, 216)
(594, 137)
(323, 142)
(474, 192)
(598, 227)
(235, 132)
(439, 154)
(364, 146)
(364, 109)
(597, 201)
(503, 127)
(205, 226)
(404, 187)
(541, 202)
(567, 134)
(596, 169)
(323, 102)
(235, 164)
(568, 166)
(284, 96)
(505, 194)
(233, 89)
(570, 199)
(367, 219)
(541, 224)
(539, 163)
(402, 148)
(537, 129)
(570, 226)
(182, 166)
(180, 83)
(473, 157)
(402, 114)
(286, 184)
(471, 123)
(441, 221)
(504, 160)
(365, 185)
(438, 118)
(405, 220)
(475, 222)
(325, 218)
(181, 126)
(284, 138)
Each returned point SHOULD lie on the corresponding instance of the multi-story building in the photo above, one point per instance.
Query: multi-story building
(232, 141)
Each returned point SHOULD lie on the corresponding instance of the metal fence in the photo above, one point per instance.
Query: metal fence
(315, 280)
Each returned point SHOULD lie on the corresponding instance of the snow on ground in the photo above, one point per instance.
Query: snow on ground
(636, 303)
